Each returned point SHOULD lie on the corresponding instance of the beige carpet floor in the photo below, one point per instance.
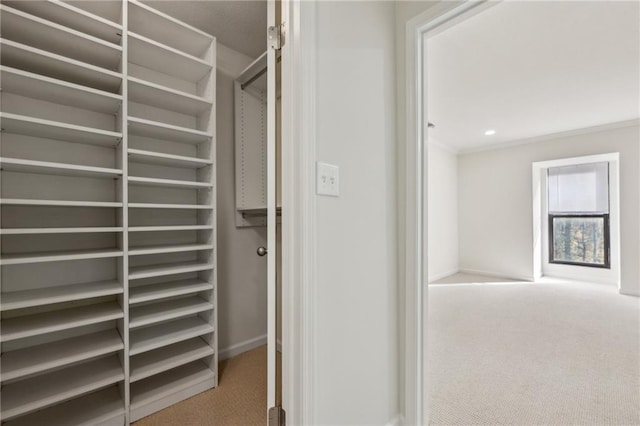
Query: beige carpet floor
(239, 399)
(552, 353)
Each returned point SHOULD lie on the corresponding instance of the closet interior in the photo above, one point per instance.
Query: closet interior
(108, 212)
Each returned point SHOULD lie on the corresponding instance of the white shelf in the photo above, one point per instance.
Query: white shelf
(168, 383)
(58, 39)
(138, 272)
(147, 181)
(253, 70)
(48, 322)
(19, 165)
(158, 96)
(56, 256)
(98, 408)
(58, 91)
(66, 293)
(157, 336)
(158, 130)
(72, 17)
(170, 206)
(151, 157)
(168, 30)
(140, 316)
(18, 55)
(161, 249)
(148, 292)
(76, 230)
(43, 391)
(30, 126)
(157, 56)
(170, 228)
(36, 359)
(172, 356)
(57, 203)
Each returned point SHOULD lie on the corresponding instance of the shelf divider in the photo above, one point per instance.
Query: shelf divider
(138, 272)
(72, 17)
(58, 203)
(161, 249)
(19, 165)
(102, 407)
(43, 391)
(157, 336)
(18, 55)
(153, 362)
(62, 92)
(48, 322)
(150, 157)
(150, 54)
(152, 313)
(36, 359)
(57, 256)
(158, 96)
(170, 206)
(148, 292)
(31, 126)
(66, 293)
(157, 130)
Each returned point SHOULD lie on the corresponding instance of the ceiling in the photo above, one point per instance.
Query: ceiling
(240, 25)
(528, 69)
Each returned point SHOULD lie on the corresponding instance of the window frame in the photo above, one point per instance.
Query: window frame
(607, 239)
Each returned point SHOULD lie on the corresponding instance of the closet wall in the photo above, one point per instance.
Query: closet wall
(242, 295)
(108, 281)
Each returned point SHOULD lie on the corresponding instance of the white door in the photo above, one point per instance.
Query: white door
(273, 45)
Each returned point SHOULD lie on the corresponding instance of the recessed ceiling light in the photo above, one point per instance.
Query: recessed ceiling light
(490, 132)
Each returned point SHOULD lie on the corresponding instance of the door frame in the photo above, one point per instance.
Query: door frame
(298, 62)
(414, 263)
(298, 150)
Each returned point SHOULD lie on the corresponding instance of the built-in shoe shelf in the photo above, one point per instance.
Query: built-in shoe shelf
(108, 289)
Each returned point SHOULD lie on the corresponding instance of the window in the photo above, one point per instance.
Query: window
(578, 204)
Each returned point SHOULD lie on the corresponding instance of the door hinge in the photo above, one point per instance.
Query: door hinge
(274, 37)
(277, 416)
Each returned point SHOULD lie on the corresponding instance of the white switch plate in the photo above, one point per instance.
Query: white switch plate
(328, 179)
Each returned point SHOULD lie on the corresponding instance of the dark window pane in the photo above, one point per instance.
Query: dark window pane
(579, 240)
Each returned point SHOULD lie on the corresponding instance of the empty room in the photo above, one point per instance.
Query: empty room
(533, 203)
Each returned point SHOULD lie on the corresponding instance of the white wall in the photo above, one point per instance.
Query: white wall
(495, 202)
(442, 206)
(355, 337)
(242, 297)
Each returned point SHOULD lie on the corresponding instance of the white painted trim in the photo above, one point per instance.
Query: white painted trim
(501, 275)
(242, 347)
(443, 275)
(550, 136)
(299, 211)
(397, 420)
(231, 62)
(415, 263)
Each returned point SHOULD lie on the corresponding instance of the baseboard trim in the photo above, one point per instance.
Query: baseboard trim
(628, 293)
(242, 347)
(246, 346)
(497, 274)
(436, 277)
(397, 420)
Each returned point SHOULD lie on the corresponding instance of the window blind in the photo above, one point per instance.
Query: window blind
(581, 188)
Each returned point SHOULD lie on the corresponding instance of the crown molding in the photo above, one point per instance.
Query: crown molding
(558, 135)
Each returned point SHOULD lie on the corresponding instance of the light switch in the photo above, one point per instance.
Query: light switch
(328, 179)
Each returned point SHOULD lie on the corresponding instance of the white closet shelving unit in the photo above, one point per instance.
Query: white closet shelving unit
(107, 220)
(250, 96)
